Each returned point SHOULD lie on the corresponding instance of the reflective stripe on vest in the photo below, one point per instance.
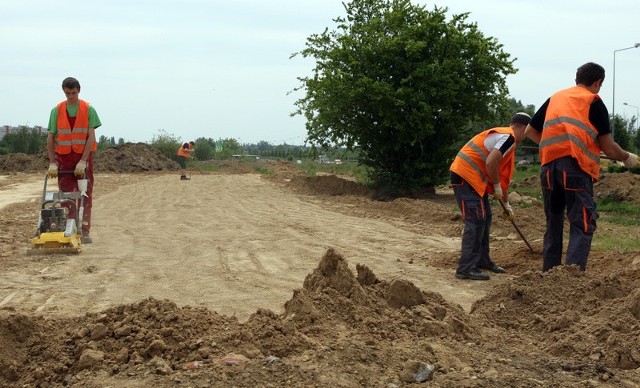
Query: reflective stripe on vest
(567, 130)
(471, 163)
(69, 139)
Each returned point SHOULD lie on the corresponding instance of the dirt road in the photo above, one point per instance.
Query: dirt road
(227, 280)
(231, 243)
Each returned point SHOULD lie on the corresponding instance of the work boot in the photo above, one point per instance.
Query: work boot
(86, 239)
(474, 274)
(184, 178)
(495, 269)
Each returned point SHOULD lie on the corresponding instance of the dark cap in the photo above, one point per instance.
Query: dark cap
(520, 118)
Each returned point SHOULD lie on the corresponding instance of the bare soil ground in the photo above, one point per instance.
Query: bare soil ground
(239, 279)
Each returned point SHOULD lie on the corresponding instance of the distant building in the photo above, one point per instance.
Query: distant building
(7, 129)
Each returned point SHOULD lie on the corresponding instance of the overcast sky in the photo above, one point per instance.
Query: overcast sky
(221, 68)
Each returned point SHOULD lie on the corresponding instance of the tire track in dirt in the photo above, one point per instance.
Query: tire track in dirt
(231, 243)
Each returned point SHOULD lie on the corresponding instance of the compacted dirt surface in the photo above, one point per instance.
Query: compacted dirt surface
(236, 278)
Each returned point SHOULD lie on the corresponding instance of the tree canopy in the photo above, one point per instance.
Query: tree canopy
(25, 140)
(403, 85)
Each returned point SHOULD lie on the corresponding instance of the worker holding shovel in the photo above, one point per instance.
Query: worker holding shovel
(184, 153)
(572, 129)
(482, 167)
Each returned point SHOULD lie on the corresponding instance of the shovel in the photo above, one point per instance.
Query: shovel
(504, 207)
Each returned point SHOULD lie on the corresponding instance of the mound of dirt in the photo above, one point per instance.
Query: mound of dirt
(20, 162)
(363, 330)
(352, 324)
(132, 157)
(129, 157)
(601, 323)
(620, 187)
(283, 171)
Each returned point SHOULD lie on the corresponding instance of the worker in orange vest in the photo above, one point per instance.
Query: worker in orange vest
(184, 153)
(70, 145)
(484, 166)
(572, 129)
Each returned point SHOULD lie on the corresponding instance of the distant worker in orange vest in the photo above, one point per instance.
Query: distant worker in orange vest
(482, 167)
(184, 153)
(572, 129)
(70, 145)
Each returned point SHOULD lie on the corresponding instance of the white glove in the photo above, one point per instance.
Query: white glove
(80, 167)
(83, 184)
(507, 213)
(53, 170)
(497, 192)
(632, 160)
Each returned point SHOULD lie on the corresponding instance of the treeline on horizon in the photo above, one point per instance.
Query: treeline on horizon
(31, 141)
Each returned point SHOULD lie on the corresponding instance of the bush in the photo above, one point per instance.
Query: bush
(167, 143)
(204, 149)
(615, 168)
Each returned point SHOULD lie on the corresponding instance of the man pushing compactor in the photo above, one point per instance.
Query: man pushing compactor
(70, 146)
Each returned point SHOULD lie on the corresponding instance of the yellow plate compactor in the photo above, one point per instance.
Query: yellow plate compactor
(56, 232)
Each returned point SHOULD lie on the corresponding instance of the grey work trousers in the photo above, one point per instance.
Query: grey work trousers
(476, 212)
(565, 187)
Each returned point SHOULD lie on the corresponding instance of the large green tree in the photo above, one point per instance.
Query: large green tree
(403, 85)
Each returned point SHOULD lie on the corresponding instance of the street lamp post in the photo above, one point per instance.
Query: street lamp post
(613, 110)
(637, 109)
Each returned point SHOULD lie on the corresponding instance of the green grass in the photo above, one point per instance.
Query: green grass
(526, 172)
(202, 166)
(619, 213)
(263, 170)
(309, 167)
(523, 172)
(348, 167)
(614, 242)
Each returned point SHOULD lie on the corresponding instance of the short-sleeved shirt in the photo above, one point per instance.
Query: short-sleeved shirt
(72, 111)
(502, 141)
(598, 115)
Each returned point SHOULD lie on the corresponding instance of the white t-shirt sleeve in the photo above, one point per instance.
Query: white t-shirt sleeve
(496, 140)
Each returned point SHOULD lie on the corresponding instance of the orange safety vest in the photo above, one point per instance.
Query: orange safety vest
(568, 131)
(184, 153)
(471, 163)
(75, 139)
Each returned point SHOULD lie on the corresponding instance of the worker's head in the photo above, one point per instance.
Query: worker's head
(71, 88)
(590, 75)
(519, 122)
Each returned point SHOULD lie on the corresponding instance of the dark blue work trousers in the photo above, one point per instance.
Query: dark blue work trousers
(565, 187)
(476, 213)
